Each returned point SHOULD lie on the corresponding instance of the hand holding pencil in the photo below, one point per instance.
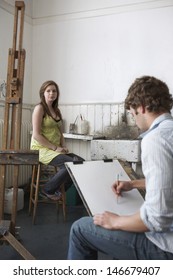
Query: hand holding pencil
(120, 186)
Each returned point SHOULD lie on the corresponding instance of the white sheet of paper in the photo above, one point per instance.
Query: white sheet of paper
(93, 180)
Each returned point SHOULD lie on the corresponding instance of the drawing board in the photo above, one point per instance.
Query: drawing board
(93, 180)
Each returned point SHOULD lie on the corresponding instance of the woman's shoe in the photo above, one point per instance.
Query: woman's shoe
(51, 196)
(58, 194)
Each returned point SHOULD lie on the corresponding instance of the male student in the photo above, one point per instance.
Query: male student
(148, 234)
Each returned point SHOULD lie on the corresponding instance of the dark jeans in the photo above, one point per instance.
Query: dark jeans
(62, 176)
(86, 239)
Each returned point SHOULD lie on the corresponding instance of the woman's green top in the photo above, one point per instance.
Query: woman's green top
(50, 129)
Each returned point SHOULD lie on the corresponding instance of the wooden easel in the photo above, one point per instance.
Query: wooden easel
(11, 153)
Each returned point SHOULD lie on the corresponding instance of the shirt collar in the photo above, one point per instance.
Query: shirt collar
(156, 122)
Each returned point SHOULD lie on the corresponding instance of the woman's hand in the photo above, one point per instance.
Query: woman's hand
(65, 149)
(61, 150)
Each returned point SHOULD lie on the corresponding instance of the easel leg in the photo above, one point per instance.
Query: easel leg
(15, 198)
(18, 246)
(7, 236)
(2, 190)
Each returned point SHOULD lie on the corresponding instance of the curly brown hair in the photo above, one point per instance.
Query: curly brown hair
(151, 93)
(42, 98)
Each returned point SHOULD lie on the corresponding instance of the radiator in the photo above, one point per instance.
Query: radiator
(24, 170)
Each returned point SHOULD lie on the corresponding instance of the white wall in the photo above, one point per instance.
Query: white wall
(96, 52)
(93, 49)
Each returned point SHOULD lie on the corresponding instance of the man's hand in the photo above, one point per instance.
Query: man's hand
(113, 221)
(121, 186)
(106, 220)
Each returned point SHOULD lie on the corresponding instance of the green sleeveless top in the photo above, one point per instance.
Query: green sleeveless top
(50, 129)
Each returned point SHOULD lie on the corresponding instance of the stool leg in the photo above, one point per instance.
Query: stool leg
(36, 193)
(63, 204)
(63, 201)
(32, 187)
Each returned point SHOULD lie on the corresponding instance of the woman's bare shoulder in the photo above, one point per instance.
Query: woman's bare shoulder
(38, 111)
(38, 108)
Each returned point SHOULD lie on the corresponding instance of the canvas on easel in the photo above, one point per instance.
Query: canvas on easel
(93, 181)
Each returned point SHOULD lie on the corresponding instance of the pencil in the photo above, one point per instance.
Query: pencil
(117, 185)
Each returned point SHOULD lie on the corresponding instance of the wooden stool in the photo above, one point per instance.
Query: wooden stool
(40, 175)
